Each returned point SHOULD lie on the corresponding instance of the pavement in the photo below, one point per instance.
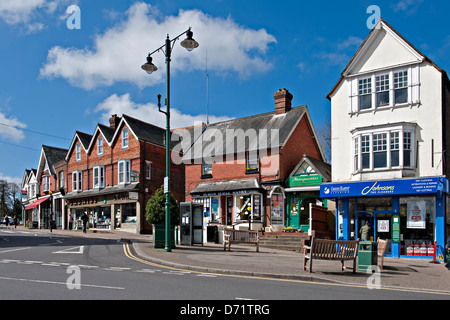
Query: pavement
(397, 273)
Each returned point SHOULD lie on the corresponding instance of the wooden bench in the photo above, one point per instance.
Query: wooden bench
(321, 249)
(240, 236)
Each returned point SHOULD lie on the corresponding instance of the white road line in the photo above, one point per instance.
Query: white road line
(17, 249)
(61, 283)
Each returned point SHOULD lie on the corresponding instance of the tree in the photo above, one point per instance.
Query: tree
(156, 209)
(324, 136)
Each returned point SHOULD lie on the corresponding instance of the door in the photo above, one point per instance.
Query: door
(229, 211)
(363, 218)
(384, 229)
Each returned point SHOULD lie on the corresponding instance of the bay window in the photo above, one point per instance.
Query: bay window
(383, 148)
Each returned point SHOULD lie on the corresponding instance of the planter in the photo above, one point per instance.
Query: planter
(159, 236)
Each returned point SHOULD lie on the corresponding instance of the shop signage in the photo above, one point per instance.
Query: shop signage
(395, 228)
(305, 180)
(384, 187)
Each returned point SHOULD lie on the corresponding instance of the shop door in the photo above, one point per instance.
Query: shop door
(229, 210)
(293, 216)
(362, 219)
(384, 229)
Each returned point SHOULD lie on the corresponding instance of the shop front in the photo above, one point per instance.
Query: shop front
(106, 211)
(409, 213)
(235, 202)
(303, 189)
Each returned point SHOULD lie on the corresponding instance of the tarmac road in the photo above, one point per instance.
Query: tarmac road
(39, 265)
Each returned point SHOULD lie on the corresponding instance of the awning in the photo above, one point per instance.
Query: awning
(226, 187)
(36, 203)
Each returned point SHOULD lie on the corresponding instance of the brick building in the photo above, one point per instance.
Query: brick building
(112, 174)
(238, 168)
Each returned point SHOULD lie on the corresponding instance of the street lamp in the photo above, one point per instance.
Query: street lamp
(189, 43)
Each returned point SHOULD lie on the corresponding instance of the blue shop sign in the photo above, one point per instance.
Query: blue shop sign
(384, 187)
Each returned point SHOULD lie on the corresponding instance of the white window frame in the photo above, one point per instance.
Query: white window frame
(125, 135)
(148, 170)
(391, 80)
(99, 146)
(61, 179)
(124, 173)
(396, 138)
(77, 181)
(99, 176)
(78, 152)
(46, 183)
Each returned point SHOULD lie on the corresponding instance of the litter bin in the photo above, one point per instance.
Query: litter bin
(367, 255)
(211, 234)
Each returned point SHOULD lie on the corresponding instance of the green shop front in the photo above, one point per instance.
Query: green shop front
(303, 189)
(410, 213)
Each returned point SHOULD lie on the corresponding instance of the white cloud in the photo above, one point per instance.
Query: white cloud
(10, 128)
(118, 53)
(24, 12)
(148, 112)
(17, 180)
(408, 6)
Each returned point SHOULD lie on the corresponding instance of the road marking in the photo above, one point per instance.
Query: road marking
(74, 250)
(127, 252)
(17, 249)
(61, 283)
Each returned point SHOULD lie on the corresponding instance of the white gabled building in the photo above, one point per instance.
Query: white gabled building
(389, 140)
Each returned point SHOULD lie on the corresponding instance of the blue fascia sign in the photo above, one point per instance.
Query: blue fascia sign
(414, 186)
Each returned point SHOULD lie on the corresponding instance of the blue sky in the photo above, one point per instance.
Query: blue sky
(55, 80)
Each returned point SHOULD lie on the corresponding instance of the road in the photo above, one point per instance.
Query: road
(42, 266)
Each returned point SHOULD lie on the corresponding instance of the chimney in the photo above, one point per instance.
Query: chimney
(282, 101)
(114, 121)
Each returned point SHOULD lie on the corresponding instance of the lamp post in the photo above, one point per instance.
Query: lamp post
(189, 43)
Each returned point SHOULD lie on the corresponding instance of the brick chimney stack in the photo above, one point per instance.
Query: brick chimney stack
(282, 101)
(114, 121)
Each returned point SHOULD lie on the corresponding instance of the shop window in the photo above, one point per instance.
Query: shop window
(248, 207)
(417, 221)
(129, 213)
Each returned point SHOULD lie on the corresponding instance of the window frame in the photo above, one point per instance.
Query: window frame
(99, 177)
(78, 152)
(125, 138)
(77, 180)
(126, 175)
(367, 143)
(100, 146)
